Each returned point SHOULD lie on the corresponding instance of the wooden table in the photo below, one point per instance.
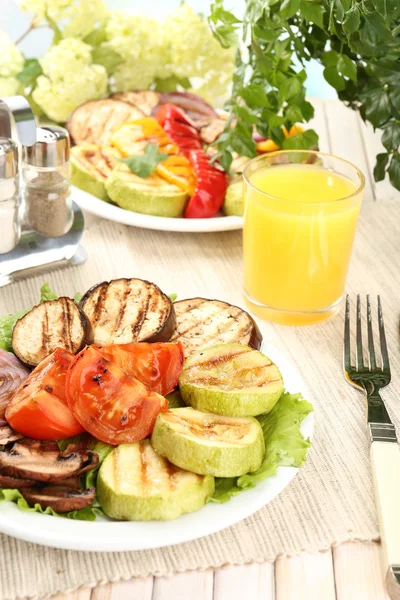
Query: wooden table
(350, 571)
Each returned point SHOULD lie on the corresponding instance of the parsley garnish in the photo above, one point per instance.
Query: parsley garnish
(144, 164)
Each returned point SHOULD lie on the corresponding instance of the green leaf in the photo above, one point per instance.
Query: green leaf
(173, 297)
(30, 72)
(301, 141)
(346, 67)
(255, 96)
(144, 165)
(307, 109)
(377, 107)
(97, 36)
(284, 446)
(394, 171)
(313, 12)
(289, 8)
(394, 96)
(334, 79)
(391, 135)
(171, 84)
(289, 88)
(381, 7)
(330, 58)
(107, 57)
(225, 159)
(242, 140)
(6, 328)
(351, 21)
(46, 293)
(374, 30)
(77, 297)
(380, 166)
(339, 10)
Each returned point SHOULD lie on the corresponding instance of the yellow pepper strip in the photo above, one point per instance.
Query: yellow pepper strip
(270, 146)
(132, 137)
(177, 169)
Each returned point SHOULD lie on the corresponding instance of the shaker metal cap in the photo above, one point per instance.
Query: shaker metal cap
(51, 148)
(8, 158)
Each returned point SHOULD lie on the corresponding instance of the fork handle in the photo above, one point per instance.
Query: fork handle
(385, 458)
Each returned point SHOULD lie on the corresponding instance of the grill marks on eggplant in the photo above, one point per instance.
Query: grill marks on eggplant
(50, 325)
(94, 121)
(201, 323)
(144, 100)
(128, 310)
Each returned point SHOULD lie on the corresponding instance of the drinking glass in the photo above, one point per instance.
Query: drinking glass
(301, 211)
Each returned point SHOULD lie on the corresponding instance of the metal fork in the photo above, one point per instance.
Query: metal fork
(384, 450)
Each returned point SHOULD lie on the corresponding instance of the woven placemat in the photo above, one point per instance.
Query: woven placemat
(331, 500)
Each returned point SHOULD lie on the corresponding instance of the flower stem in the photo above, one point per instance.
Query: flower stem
(31, 27)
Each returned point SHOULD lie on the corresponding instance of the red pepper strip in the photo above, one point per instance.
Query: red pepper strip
(210, 188)
(179, 128)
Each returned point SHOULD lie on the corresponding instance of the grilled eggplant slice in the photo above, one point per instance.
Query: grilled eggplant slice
(49, 325)
(42, 461)
(137, 484)
(231, 379)
(94, 121)
(202, 323)
(144, 100)
(128, 310)
(91, 166)
(209, 444)
(60, 498)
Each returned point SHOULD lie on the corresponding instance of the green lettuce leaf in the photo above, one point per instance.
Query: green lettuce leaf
(175, 399)
(284, 445)
(46, 293)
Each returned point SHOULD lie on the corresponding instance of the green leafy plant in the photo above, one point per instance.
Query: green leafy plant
(358, 42)
(143, 165)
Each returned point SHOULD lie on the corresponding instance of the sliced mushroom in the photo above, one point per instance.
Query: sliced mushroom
(8, 435)
(15, 483)
(60, 498)
(42, 461)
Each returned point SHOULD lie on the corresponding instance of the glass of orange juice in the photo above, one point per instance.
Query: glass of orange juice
(301, 210)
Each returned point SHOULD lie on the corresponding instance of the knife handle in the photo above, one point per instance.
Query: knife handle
(385, 459)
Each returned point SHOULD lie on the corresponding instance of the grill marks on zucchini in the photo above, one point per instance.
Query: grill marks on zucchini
(201, 323)
(128, 310)
(50, 325)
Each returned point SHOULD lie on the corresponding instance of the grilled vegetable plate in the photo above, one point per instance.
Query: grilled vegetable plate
(201, 323)
(50, 325)
(150, 196)
(91, 166)
(128, 310)
(209, 444)
(94, 121)
(157, 365)
(137, 484)
(12, 374)
(144, 100)
(231, 379)
(39, 408)
(112, 406)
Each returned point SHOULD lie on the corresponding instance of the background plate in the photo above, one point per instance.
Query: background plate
(113, 213)
(106, 535)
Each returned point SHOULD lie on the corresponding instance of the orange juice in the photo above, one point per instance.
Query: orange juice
(299, 227)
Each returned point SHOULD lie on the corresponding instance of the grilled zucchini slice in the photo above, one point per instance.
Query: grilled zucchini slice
(150, 196)
(50, 325)
(137, 484)
(201, 323)
(122, 311)
(231, 379)
(91, 166)
(209, 444)
(94, 121)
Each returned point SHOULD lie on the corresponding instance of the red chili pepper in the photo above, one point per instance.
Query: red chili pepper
(210, 188)
(211, 181)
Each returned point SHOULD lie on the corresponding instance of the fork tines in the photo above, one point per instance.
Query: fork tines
(360, 366)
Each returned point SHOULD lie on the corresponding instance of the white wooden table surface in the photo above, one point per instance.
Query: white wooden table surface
(350, 571)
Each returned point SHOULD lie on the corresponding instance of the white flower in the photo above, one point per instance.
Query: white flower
(11, 59)
(9, 86)
(54, 8)
(69, 79)
(83, 17)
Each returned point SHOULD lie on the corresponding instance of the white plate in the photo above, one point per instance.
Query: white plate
(105, 535)
(113, 213)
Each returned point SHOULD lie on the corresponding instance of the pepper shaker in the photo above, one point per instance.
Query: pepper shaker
(46, 174)
(9, 187)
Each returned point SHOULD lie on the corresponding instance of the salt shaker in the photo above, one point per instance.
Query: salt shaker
(46, 174)
(9, 204)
